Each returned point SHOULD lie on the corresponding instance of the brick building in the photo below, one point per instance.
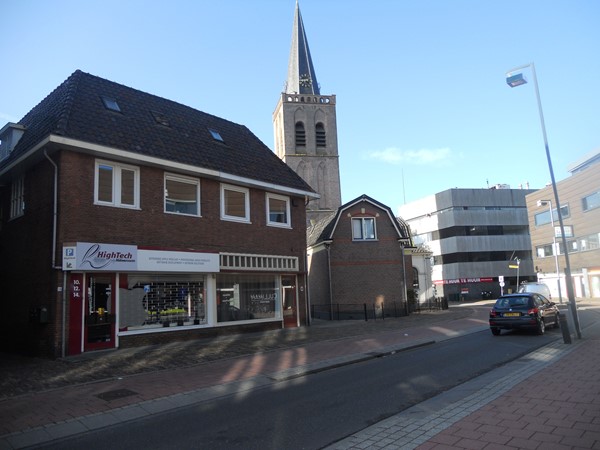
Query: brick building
(128, 219)
(358, 255)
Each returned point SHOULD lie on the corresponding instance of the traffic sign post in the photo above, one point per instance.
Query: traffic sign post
(516, 266)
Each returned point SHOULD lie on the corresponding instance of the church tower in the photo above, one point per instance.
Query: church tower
(305, 128)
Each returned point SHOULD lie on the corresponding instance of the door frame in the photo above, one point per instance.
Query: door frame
(291, 320)
(97, 320)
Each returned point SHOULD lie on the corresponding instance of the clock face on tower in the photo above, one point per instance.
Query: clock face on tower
(305, 80)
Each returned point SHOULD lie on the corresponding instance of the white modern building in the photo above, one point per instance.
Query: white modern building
(478, 239)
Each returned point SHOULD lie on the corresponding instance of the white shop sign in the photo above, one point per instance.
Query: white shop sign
(128, 258)
(167, 261)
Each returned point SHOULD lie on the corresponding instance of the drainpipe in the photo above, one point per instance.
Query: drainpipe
(404, 279)
(63, 335)
(307, 291)
(54, 212)
(54, 221)
(328, 247)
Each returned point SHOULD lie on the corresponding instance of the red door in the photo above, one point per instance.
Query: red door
(100, 312)
(290, 301)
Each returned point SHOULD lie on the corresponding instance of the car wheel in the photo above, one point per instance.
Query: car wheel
(557, 323)
(541, 328)
(496, 331)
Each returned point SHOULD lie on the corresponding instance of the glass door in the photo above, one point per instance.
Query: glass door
(100, 312)
(289, 301)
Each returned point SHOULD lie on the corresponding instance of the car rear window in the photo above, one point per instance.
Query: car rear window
(512, 302)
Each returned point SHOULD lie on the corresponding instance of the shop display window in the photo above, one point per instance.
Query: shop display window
(153, 301)
(247, 297)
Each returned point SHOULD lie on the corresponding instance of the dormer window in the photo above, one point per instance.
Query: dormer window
(111, 103)
(216, 135)
(363, 229)
(9, 137)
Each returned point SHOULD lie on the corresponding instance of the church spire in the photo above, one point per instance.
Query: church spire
(301, 77)
(305, 128)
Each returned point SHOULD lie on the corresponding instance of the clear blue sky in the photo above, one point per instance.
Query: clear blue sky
(422, 103)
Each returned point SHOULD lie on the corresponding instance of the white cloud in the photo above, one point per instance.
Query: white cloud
(394, 155)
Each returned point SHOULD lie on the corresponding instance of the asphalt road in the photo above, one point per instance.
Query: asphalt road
(314, 411)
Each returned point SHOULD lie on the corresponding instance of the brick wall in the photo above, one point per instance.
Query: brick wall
(28, 281)
(319, 277)
(83, 221)
(26, 275)
(370, 271)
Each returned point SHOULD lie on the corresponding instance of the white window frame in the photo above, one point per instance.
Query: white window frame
(246, 192)
(288, 220)
(17, 197)
(185, 180)
(363, 229)
(117, 169)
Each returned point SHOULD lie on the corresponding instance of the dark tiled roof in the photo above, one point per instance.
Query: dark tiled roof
(75, 110)
(323, 229)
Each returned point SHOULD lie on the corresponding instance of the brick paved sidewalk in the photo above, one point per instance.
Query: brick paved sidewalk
(557, 408)
(41, 416)
(447, 421)
(22, 375)
(546, 400)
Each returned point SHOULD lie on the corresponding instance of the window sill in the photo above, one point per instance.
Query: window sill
(285, 226)
(182, 214)
(235, 219)
(136, 208)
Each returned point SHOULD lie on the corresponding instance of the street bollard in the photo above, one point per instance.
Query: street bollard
(564, 326)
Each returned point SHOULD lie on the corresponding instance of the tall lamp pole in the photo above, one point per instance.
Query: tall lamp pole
(517, 79)
(554, 248)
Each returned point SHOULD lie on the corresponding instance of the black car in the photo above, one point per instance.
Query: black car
(523, 310)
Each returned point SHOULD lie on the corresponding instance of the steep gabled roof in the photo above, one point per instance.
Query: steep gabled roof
(301, 78)
(324, 229)
(148, 126)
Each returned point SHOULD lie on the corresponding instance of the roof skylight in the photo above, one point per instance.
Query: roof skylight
(111, 103)
(216, 135)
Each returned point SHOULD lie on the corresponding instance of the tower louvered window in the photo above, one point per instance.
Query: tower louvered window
(321, 137)
(300, 135)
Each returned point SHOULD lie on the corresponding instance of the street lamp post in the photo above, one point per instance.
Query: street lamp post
(517, 79)
(554, 247)
(405, 291)
(516, 266)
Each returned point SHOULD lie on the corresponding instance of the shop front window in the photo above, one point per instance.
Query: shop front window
(153, 301)
(247, 297)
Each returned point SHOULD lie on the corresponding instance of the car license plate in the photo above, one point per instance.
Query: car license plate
(512, 314)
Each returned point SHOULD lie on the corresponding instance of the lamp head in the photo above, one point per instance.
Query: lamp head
(543, 203)
(515, 80)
